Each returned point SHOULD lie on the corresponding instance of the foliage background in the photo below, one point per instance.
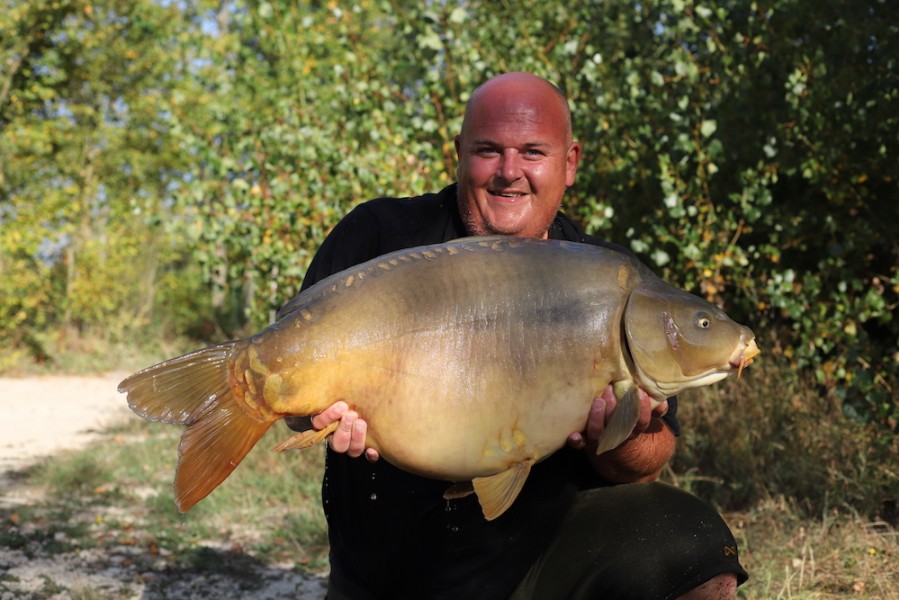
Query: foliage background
(167, 170)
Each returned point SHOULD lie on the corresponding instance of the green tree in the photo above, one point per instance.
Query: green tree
(749, 150)
(304, 113)
(85, 163)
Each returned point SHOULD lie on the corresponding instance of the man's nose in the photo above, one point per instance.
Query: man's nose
(509, 167)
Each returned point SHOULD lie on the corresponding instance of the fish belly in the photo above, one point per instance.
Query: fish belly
(471, 414)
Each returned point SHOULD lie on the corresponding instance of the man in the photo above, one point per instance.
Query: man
(572, 533)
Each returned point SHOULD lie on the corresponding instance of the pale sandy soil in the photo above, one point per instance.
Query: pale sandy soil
(43, 416)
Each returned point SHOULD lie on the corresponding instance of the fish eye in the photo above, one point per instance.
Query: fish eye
(703, 320)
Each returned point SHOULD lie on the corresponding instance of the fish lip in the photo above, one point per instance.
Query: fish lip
(743, 355)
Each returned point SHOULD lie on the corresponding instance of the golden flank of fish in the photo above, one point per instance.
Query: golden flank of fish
(470, 361)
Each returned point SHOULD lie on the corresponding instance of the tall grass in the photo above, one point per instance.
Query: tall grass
(837, 555)
(773, 435)
(809, 493)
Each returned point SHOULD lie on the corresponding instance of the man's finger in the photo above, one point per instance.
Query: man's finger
(357, 438)
(330, 414)
(340, 439)
(599, 413)
(577, 441)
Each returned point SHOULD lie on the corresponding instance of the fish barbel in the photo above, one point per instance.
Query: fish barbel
(470, 361)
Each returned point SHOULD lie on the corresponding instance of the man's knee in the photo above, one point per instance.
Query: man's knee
(686, 541)
(722, 587)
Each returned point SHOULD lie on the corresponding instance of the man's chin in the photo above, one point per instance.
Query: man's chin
(524, 232)
(514, 225)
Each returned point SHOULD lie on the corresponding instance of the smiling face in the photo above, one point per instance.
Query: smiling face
(516, 157)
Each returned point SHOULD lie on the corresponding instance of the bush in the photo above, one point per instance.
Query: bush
(772, 436)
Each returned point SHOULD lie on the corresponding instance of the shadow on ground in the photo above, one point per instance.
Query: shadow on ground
(77, 546)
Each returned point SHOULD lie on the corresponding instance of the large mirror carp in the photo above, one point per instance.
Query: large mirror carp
(470, 361)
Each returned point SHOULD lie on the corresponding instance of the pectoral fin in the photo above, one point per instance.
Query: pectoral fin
(622, 422)
(497, 492)
(306, 439)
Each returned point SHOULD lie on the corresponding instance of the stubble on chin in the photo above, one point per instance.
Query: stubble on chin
(481, 227)
(472, 225)
(476, 224)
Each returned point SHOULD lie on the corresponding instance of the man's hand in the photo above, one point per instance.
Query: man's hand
(348, 438)
(641, 457)
(601, 411)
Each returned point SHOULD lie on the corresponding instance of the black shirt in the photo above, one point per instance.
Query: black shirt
(392, 534)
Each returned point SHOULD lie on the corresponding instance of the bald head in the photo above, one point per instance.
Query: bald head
(521, 87)
(516, 156)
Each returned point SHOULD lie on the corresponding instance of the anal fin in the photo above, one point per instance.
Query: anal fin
(496, 493)
(623, 420)
(306, 439)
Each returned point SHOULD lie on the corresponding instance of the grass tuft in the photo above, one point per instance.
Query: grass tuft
(837, 555)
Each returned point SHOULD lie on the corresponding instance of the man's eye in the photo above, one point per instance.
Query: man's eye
(487, 151)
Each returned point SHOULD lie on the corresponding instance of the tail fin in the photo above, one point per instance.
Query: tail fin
(212, 447)
(194, 390)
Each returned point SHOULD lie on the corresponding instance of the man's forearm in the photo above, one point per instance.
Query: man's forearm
(639, 459)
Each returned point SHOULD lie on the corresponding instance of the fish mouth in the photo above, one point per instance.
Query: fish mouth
(743, 356)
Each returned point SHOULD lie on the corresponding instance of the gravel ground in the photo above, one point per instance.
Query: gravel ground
(42, 416)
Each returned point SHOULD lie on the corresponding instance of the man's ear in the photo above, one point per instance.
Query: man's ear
(572, 160)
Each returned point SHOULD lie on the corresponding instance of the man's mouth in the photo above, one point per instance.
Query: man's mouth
(509, 195)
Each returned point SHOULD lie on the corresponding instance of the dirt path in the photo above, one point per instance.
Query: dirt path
(42, 416)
